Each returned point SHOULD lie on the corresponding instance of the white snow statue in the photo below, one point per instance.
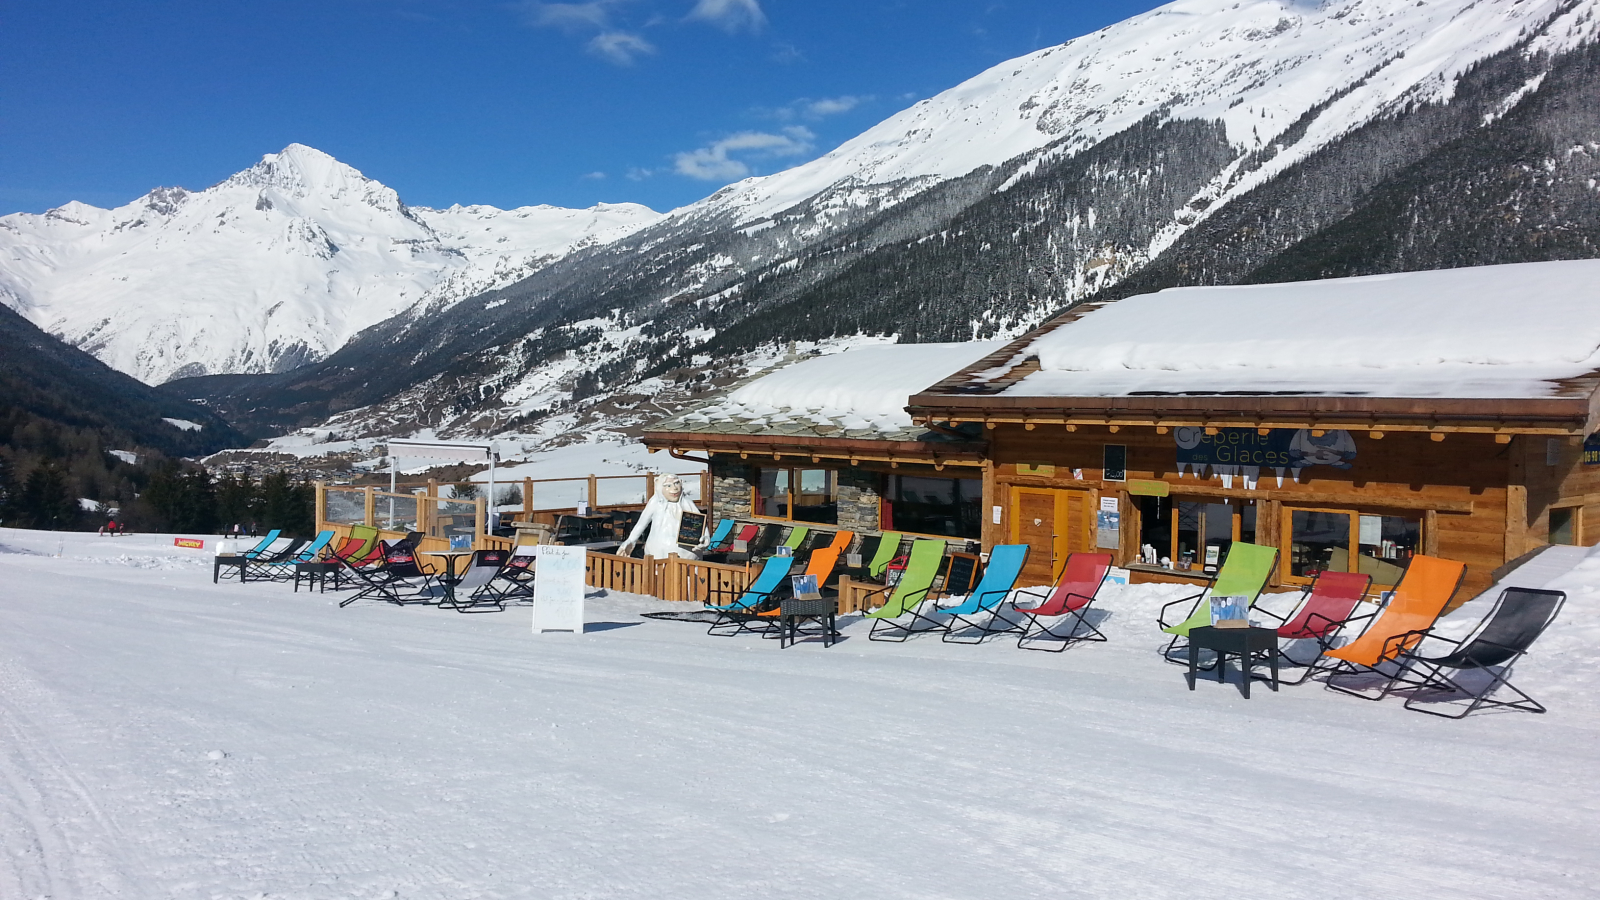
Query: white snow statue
(662, 516)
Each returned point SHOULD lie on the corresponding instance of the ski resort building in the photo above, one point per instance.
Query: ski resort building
(1350, 423)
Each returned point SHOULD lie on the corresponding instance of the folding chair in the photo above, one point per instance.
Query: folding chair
(471, 593)
(756, 598)
(1080, 582)
(765, 541)
(360, 548)
(745, 534)
(399, 569)
(999, 577)
(722, 538)
(1244, 573)
(820, 564)
(239, 561)
(1418, 600)
(282, 570)
(259, 567)
(1325, 608)
(1519, 616)
(905, 597)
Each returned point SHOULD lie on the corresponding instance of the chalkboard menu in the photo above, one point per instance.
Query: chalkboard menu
(690, 529)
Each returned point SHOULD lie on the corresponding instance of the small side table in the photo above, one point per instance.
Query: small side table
(1245, 643)
(450, 579)
(792, 612)
(318, 573)
(237, 561)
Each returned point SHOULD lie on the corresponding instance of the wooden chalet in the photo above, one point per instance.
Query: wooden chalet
(1350, 423)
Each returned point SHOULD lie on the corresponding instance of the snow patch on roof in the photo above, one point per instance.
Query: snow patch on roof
(1510, 331)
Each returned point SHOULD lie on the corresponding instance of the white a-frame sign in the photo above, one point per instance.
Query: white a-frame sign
(558, 584)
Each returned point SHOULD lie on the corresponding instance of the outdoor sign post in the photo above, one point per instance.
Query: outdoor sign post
(558, 588)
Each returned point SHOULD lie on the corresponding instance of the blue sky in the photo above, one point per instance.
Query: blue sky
(509, 102)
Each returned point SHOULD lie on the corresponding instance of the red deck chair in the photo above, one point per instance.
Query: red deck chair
(1326, 607)
(1080, 582)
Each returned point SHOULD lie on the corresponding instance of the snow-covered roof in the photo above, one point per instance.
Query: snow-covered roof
(1521, 331)
(860, 393)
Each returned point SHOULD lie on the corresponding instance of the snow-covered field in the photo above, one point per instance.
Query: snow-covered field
(164, 737)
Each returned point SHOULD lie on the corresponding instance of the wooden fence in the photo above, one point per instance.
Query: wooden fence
(681, 580)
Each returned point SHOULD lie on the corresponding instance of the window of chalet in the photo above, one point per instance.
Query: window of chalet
(1346, 540)
(1192, 534)
(799, 495)
(1566, 525)
(948, 507)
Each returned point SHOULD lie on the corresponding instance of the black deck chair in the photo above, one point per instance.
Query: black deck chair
(399, 571)
(1519, 616)
(766, 540)
(472, 593)
(867, 548)
(259, 565)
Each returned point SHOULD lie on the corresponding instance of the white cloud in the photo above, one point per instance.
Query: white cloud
(570, 16)
(595, 176)
(717, 161)
(730, 15)
(832, 106)
(620, 47)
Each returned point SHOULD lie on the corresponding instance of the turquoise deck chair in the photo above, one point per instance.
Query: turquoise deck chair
(284, 568)
(724, 528)
(999, 578)
(740, 613)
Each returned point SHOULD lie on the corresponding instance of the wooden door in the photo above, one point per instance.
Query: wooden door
(1053, 523)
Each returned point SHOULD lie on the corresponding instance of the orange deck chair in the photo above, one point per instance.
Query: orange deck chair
(1419, 599)
(822, 563)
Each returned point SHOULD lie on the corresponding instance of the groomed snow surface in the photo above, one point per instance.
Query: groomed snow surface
(164, 737)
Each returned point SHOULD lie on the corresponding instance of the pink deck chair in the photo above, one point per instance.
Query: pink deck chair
(1326, 607)
(1079, 583)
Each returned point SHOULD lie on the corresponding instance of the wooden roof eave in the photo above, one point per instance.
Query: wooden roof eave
(937, 453)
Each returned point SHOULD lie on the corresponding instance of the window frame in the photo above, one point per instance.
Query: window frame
(1287, 509)
(756, 504)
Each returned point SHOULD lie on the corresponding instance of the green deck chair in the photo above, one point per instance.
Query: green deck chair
(905, 597)
(797, 536)
(1244, 573)
(888, 549)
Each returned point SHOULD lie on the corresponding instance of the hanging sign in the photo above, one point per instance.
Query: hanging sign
(558, 588)
(1591, 450)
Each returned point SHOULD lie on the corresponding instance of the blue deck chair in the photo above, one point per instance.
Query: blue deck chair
(741, 612)
(239, 562)
(724, 528)
(999, 577)
(284, 568)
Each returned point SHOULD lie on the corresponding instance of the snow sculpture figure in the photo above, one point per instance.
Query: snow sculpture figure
(662, 516)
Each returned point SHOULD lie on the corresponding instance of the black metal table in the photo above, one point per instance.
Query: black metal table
(317, 573)
(792, 612)
(450, 579)
(238, 561)
(1245, 643)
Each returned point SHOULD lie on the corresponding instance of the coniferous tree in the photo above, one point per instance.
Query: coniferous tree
(45, 501)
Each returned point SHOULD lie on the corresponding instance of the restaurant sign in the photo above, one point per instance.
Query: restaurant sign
(1246, 451)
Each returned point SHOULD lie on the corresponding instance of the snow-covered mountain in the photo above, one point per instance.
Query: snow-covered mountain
(275, 267)
(1256, 66)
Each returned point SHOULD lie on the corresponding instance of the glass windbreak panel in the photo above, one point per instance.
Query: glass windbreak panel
(452, 518)
(346, 507)
(1318, 541)
(818, 497)
(1385, 544)
(944, 506)
(773, 487)
(1155, 530)
(1563, 524)
(395, 512)
(1186, 535)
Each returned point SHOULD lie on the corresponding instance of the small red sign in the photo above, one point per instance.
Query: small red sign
(193, 543)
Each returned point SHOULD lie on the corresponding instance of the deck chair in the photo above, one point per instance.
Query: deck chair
(265, 565)
(999, 577)
(360, 548)
(263, 547)
(721, 538)
(1244, 573)
(905, 597)
(744, 611)
(514, 581)
(472, 592)
(745, 533)
(796, 539)
(399, 570)
(1418, 601)
(284, 569)
(1519, 616)
(1078, 586)
(1325, 609)
(821, 563)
